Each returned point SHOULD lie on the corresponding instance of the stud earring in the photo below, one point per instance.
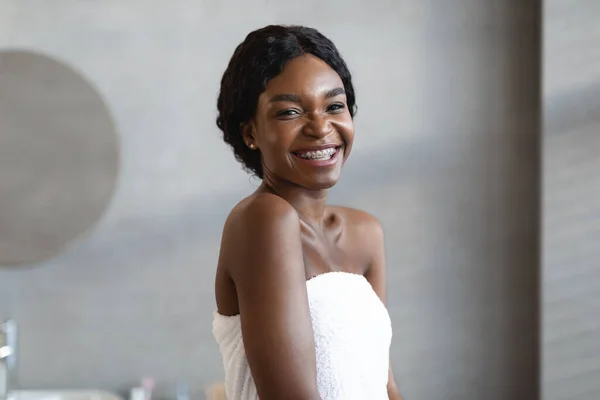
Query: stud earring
(252, 146)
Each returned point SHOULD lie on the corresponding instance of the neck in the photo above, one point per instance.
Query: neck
(310, 204)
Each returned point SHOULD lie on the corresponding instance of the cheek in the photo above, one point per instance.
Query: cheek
(347, 131)
(279, 136)
(275, 147)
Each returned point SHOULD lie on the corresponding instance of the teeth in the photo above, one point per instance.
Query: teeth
(319, 154)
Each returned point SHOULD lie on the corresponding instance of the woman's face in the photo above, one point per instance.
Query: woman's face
(303, 126)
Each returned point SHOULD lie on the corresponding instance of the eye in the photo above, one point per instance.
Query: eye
(336, 107)
(290, 112)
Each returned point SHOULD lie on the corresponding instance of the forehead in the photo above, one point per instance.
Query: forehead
(306, 75)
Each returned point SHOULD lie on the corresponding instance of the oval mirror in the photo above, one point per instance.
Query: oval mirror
(59, 157)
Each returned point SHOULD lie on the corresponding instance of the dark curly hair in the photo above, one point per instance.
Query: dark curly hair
(259, 58)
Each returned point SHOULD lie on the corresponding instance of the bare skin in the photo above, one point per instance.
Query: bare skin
(284, 234)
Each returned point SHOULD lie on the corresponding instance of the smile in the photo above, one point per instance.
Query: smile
(324, 154)
(319, 158)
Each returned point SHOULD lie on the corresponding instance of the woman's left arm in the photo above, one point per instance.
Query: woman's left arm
(376, 277)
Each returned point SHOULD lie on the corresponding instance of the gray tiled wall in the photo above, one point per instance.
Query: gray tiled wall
(446, 156)
(571, 183)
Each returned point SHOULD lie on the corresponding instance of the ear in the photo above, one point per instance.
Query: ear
(248, 134)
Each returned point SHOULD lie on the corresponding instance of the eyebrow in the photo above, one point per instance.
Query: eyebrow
(296, 99)
(335, 92)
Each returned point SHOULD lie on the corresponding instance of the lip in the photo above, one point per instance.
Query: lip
(320, 163)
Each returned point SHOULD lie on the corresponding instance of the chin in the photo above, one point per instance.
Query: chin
(321, 182)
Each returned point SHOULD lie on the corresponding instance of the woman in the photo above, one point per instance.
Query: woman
(300, 285)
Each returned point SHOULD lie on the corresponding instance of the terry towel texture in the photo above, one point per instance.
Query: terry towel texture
(352, 331)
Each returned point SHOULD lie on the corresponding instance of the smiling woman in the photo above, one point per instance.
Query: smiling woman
(300, 285)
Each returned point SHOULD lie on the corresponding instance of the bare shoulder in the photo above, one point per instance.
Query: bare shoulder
(262, 208)
(364, 242)
(360, 224)
(259, 224)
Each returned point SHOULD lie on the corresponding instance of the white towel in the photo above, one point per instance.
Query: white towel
(353, 333)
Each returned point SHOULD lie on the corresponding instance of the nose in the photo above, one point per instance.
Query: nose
(319, 126)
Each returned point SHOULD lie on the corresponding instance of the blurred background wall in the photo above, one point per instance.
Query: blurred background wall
(571, 206)
(447, 156)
